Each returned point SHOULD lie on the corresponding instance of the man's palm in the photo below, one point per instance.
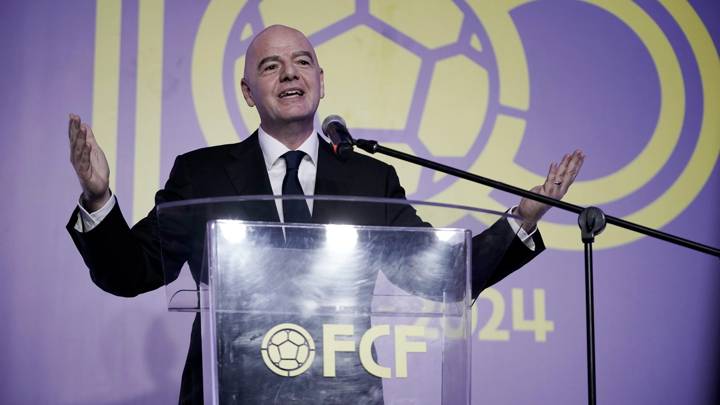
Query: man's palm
(89, 163)
(559, 179)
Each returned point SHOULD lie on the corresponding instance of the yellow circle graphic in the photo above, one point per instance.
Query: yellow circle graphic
(503, 145)
(387, 95)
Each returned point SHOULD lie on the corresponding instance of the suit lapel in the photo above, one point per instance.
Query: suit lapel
(333, 178)
(248, 175)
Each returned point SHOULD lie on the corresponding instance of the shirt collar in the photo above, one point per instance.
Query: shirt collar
(273, 149)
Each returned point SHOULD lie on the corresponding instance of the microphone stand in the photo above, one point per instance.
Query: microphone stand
(591, 220)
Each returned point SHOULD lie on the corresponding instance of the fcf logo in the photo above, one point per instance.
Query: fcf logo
(288, 349)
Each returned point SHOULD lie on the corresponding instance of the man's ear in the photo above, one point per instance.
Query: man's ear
(247, 94)
(322, 83)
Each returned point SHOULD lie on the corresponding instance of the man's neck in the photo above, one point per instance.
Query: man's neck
(292, 135)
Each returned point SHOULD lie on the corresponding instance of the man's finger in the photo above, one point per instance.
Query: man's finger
(565, 159)
(84, 162)
(83, 132)
(572, 171)
(72, 135)
(78, 163)
(574, 165)
(70, 127)
(78, 146)
(581, 161)
(551, 171)
(73, 127)
(562, 168)
(77, 153)
(89, 134)
(76, 122)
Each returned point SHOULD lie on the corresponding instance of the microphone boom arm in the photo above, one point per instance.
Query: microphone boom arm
(591, 221)
(374, 147)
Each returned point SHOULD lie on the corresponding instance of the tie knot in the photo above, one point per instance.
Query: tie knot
(293, 159)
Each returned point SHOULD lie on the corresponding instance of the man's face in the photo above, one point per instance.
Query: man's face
(282, 78)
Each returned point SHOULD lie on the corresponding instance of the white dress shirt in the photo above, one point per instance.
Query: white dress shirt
(272, 151)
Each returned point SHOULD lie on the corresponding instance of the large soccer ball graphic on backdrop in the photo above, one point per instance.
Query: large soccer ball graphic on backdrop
(393, 73)
(447, 80)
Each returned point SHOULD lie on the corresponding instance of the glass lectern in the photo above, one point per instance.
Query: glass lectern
(368, 307)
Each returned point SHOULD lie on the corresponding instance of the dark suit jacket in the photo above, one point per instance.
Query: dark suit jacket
(126, 261)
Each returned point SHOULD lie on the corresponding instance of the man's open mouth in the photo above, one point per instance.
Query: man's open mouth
(292, 93)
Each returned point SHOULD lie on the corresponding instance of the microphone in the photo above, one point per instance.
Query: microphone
(334, 127)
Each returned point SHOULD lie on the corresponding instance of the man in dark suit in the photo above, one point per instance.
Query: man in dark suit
(284, 81)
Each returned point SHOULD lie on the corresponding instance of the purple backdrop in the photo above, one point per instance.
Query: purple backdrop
(593, 85)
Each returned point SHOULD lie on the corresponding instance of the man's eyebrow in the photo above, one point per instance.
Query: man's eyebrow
(303, 53)
(274, 58)
(267, 59)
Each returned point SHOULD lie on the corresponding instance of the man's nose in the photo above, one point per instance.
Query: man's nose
(288, 73)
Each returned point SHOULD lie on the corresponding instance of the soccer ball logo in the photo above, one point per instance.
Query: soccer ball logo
(288, 350)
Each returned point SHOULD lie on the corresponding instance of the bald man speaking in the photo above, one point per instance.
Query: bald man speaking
(284, 82)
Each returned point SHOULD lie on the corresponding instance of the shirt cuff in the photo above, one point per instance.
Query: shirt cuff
(86, 221)
(524, 236)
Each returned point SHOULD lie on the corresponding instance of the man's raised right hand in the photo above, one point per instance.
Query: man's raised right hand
(89, 163)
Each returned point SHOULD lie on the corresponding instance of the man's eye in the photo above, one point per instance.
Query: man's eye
(304, 62)
(269, 67)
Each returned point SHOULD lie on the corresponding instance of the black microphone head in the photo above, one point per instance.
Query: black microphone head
(330, 120)
(334, 127)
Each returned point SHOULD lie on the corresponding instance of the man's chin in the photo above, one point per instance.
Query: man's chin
(296, 117)
(297, 122)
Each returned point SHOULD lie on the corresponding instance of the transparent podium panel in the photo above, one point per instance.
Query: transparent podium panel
(366, 305)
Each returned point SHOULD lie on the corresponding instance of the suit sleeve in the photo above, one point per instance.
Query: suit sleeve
(402, 214)
(496, 252)
(126, 261)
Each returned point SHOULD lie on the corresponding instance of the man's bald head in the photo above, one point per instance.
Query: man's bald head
(283, 79)
(267, 36)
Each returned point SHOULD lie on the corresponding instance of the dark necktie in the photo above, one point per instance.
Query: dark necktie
(293, 210)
